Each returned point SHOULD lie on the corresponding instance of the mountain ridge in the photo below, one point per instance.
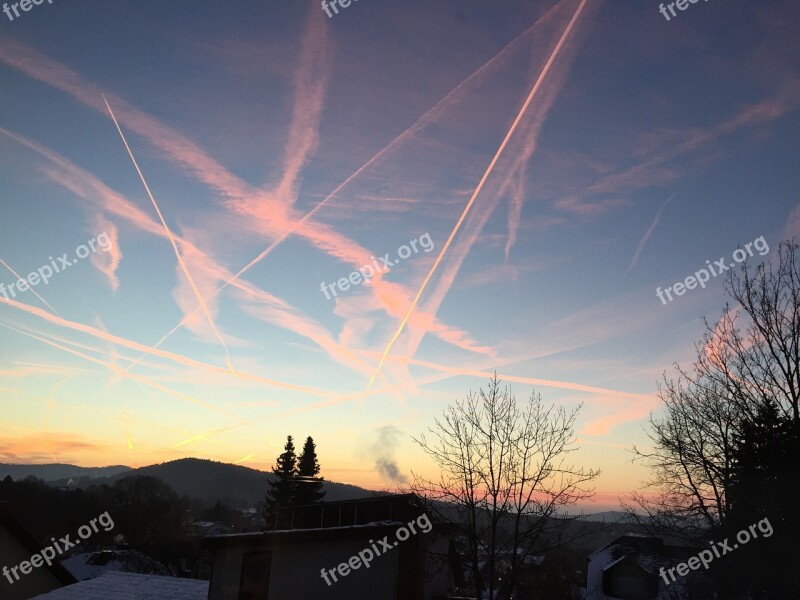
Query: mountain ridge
(57, 471)
(201, 479)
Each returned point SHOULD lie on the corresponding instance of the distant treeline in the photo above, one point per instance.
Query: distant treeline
(146, 512)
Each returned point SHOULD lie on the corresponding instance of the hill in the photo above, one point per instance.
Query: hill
(204, 480)
(57, 472)
(235, 485)
(609, 516)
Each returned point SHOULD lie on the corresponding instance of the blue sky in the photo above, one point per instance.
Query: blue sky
(648, 147)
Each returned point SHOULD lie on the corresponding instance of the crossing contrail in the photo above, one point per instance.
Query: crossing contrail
(481, 183)
(20, 277)
(182, 264)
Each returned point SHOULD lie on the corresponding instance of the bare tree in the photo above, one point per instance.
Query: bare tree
(503, 475)
(747, 362)
(691, 462)
(725, 451)
(763, 362)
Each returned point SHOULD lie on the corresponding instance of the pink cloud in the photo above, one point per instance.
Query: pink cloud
(107, 260)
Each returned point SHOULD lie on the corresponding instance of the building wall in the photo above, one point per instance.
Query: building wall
(629, 581)
(436, 567)
(594, 575)
(295, 572)
(38, 581)
(594, 580)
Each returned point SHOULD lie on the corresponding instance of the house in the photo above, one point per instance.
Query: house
(16, 546)
(131, 586)
(313, 552)
(205, 528)
(629, 568)
(89, 565)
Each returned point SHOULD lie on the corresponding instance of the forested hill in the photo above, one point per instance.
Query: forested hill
(199, 479)
(56, 472)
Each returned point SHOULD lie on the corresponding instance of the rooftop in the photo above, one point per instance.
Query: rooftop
(131, 586)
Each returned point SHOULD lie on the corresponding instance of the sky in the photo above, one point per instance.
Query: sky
(229, 182)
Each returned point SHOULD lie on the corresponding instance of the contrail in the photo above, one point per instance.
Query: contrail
(648, 233)
(196, 438)
(178, 358)
(145, 381)
(478, 189)
(418, 125)
(444, 374)
(185, 270)
(18, 276)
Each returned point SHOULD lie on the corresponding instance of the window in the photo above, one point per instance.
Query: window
(628, 581)
(254, 582)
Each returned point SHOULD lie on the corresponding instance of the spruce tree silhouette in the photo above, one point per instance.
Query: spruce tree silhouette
(309, 486)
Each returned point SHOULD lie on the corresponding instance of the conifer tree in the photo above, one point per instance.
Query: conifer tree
(280, 490)
(309, 485)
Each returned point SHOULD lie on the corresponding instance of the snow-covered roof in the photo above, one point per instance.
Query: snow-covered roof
(93, 564)
(81, 568)
(131, 586)
(629, 539)
(257, 534)
(648, 563)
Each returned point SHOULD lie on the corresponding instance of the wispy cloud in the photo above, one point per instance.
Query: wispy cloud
(40, 447)
(102, 335)
(108, 261)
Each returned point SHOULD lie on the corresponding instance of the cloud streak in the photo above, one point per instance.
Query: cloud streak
(648, 233)
(536, 86)
(107, 262)
(184, 268)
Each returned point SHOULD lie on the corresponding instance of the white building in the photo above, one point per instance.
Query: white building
(629, 568)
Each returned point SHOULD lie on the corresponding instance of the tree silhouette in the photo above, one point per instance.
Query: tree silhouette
(725, 450)
(764, 488)
(280, 490)
(309, 487)
(147, 511)
(502, 476)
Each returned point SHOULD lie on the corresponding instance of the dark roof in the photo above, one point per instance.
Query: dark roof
(633, 541)
(358, 519)
(362, 511)
(16, 529)
(650, 553)
(294, 536)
